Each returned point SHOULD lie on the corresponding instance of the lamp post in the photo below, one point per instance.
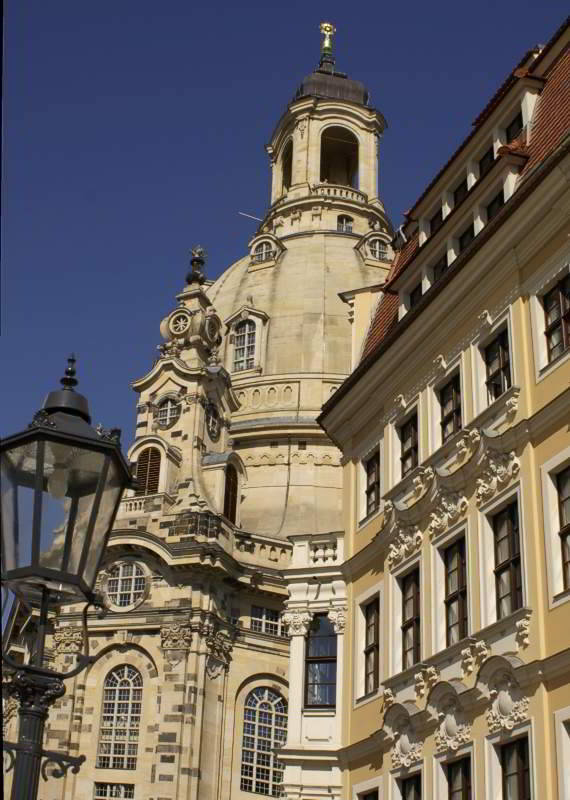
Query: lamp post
(61, 484)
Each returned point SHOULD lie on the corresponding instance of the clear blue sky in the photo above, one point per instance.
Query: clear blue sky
(134, 129)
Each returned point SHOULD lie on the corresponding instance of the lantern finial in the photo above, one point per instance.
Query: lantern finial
(69, 380)
(67, 399)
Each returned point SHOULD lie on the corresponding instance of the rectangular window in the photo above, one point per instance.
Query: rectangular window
(371, 645)
(415, 295)
(515, 770)
(459, 779)
(436, 221)
(265, 620)
(557, 318)
(373, 795)
(440, 267)
(409, 442)
(486, 162)
(320, 664)
(372, 470)
(461, 191)
(508, 574)
(455, 592)
(563, 487)
(450, 401)
(411, 788)
(514, 127)
(466, 237)
(125, 791)
(495, 205)
(497, 360)
(410, 619)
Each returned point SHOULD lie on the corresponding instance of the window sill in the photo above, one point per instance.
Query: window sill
(545, 371)
(322, 711)
(246, 373)
(377, 694)
(373, 514)
(498, 411)
(560, 598)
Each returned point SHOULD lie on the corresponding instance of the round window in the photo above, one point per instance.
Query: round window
(126, 585)
(179, 323)
(168, 412)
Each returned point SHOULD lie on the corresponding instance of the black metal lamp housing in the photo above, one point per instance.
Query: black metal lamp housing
(61, 485)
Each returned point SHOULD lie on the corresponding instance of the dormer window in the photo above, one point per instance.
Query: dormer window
(344, 224)
(415, 295)
(244, 345)
(263, 252)
(378, 249)
(168, 412)
(436, 221)
(495, 205)
(460, 192)
(466, 237)
(514, 127)
(486, 162)
(439, 267)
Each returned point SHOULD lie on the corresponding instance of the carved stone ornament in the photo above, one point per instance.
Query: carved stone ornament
(485, 319)
(301, 126)
(175, 636)
(338, 618)
(220, 653)
(297, 622)
(68, 640)
(452, 732)
(509, 706)
(388, 699)
(169, 350)
(512, 406)
(439, 363)
(498, 469)
(473, 656)
(424, 680)
(468, 443)
(406, 543)
(423, 480)
(407, 750)
(400, 403)
(450, 507)
(9, 712)
(523, 630)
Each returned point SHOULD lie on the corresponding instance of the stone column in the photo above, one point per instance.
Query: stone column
(338, 617)
(297, 623)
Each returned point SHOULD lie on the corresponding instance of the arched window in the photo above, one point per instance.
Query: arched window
(378, 249)
(126, 584)
(120, 719)
(168, 412)
(264, 729)
(287, 165)
(231, 493)
(344, 224)
(148, 471)
(263, 252)
(244, 345)
(339, 157)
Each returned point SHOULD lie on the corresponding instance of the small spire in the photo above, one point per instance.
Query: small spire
(197, 261)
(328, 30)
(69, 380)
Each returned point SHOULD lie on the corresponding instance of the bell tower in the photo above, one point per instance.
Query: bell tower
(324, 154)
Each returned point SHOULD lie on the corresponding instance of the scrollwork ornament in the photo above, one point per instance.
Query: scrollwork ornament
(338, 618)
(422, 480)
(451, 506)
(406, 543)
(508, 708)
(468, 443)
(523, 630)
(498, 469)
(424, 680)
(388, 699)
(297, 622)
(219, 653)
(68, 640)
(473, 656)
(452, 733)
(175, 636)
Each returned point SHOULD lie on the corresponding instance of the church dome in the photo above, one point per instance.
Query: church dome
(334, 85)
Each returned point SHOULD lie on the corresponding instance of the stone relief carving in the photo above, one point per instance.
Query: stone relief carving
(523, 630)
(68, 640)
(485, 319)
(175, 636)
(498, 469)
(338, 618)
(439, 363)
(453, 731)
(297, 622)
(388, 699)
(451, 506)
(424, 680)
(512, 406)
(406, 543)
(422, 480)
(473, 656)
(407, 749)
(219, 647)
(509, 705)
(468, 443)
(400, 403)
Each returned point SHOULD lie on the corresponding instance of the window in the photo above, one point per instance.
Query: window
(497, 360)
(371, 645)
(264, 730)
(373, 795)
(344, 224)
(415, 295)
(495, 205)
(126, 584)
(168, 412)
(440, 267)
(460, 192)
(339, 157)
(466, 237)
(508, 575)
(263, 252)
(120, 719)
(287, 162)
(563, 487)
(411, 619)
(265, 620)
(455, 592)
(450, 401)
(320, 664)
(372, 491)
(409, 443)
(436, 221)
(514, 127)
(515, 770)
(122, 790)
(244, 345)
(459, 779)
(148, 471)
(378, 249)
(231, 493)
(411, 788)
(557, 318)
(486, 162)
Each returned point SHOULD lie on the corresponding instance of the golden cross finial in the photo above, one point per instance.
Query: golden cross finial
(328, 30)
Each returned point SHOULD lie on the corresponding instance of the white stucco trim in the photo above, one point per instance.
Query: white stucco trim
(362, 788)
(399, 775)
(438, 623)
(551, 518)
(359, 641)
(394, 615)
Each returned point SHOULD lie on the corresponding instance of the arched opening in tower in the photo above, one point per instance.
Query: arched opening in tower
(339, 157)
(287, 165)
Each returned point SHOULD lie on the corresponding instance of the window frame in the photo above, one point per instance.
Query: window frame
(564, 527)
(411, 781)
(136, 596)
(455, 416)
(344, 223)
(496, 203)
(263, 624)
(249, 345)
(128, 759)
(513, 563)
(439, 268)
(255, 727)
(319, 659)
(465, 238)
(412, 622)
(519, 744)
(231, 493)
(563, 320)
(413, 451)
(153, 469)
(262, 252)
(460, 594)
(503, 371)
(371, 464)
(378, 249)
(466, 791)
(97, 795)
(460, 191)
(486, 161)
(513, 133)
(372, 647)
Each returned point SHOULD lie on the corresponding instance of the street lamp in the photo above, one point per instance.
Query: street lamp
(61, 485)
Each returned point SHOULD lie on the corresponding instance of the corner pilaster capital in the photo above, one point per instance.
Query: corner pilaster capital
(297, 622)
